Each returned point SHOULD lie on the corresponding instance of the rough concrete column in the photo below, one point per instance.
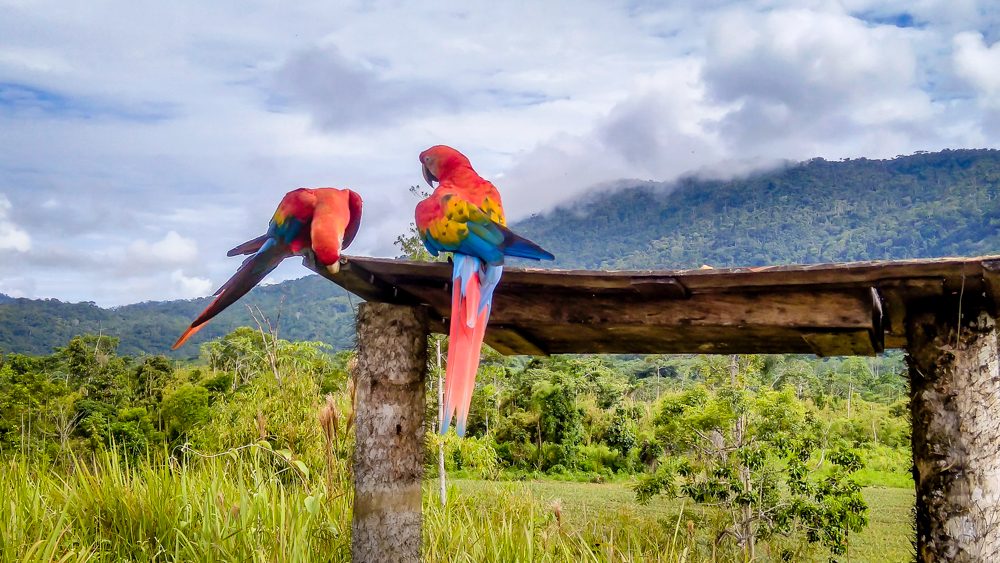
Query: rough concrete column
(389, 432)
(955, 404)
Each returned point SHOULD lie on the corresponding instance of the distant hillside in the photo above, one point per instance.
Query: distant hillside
(5, 298)
(313, 309)
(925, 205)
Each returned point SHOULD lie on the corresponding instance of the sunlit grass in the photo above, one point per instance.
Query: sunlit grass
(214, 510)
(609, 514)
(246, 507)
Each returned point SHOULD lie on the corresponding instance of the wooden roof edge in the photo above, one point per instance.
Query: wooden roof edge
(898, 281)
(792, 274)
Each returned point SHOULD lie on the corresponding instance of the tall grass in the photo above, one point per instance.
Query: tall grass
(507, 523)
(220, 509)
(252, 506)
(247, 507)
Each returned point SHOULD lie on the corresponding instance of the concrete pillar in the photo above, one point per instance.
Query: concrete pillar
(389, 450)
(955, 404)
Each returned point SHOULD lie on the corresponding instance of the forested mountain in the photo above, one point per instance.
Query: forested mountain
(312, 308)
(924, 205)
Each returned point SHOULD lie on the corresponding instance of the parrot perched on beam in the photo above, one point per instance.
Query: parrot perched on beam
(464, 216)
(322, 221)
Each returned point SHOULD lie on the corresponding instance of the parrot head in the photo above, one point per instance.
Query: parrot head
(335, 222)
(439, 161)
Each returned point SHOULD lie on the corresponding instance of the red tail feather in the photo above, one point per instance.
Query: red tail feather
(187, 334)
(463, 351)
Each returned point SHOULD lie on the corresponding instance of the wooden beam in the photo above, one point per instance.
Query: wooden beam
(729, 303)
(652, 339)
(660, 287)
(991, 281)
(355, 278)
(878, 330)
(842, 274)
(850, 343)
(813, 309)
(511, 342)
(954, 401)
(389, 433)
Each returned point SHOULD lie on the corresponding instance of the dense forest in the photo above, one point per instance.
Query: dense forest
(924, 205)
(311, 308)
(919, 206)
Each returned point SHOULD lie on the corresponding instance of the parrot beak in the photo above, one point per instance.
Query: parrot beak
(333, 268)
(431, 179)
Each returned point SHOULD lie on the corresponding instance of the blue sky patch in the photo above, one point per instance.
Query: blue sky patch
(24, 100)
(902, 19)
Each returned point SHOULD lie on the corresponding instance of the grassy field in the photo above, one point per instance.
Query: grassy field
(593, 506)
(247, 508)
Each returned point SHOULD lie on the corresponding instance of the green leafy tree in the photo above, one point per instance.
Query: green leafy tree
(749, 442)
(185, 409)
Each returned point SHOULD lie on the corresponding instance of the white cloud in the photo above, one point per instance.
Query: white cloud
(806, 79)
(12, 237)
(344, 94)
(768, 86)
(172, 249)
(17, 286)
(979, 64)
(186, 287)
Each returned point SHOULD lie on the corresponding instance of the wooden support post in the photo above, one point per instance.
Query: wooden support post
(955, 404)
(389, 433)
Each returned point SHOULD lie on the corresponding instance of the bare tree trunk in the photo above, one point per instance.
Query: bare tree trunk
(441, 477)
(746, 527)
(389, 432)
(955, 401)
(871, 411)
(850, 391)
(657, 383)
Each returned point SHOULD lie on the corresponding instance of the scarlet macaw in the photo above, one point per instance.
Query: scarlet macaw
(322, 221)
(464, 216)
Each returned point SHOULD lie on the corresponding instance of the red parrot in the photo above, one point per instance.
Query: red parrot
(464, 216)
(322, 221)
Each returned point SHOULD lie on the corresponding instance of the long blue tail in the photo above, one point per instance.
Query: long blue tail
(516, 245)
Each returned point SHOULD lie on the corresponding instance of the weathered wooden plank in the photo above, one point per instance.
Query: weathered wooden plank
(793, 309)
(512, 342)
(733, 302)
(894, 342)
(897, 293)
(660, 287)
(991, 282)
(437, 296)
(355, 278)
(646, 339)
(852, 343)
(877, 331)
(851, 273)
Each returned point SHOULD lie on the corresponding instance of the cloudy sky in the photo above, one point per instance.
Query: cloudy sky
(141, 140)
